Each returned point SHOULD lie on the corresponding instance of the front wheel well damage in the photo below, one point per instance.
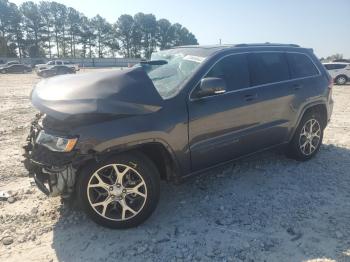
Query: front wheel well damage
(162, 159)
(155, 151)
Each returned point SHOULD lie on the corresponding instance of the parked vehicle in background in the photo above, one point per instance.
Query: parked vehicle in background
(340, 72)
(341, 60)
(71, 64)
(15, 68)
(56, 70)
(35, 62)
(57, 63)
(10, 63)
(111, 136)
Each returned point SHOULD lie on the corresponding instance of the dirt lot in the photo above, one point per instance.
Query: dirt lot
(264, 208)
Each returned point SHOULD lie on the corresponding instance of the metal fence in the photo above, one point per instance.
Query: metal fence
(83, 62)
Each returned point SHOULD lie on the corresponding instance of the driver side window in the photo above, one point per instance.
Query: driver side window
(233, 69)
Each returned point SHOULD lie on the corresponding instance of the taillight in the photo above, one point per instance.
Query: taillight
(331, 83)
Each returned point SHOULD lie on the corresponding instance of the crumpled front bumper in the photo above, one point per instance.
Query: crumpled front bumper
(53, 172)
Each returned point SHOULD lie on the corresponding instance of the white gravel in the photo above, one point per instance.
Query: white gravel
(264, 208)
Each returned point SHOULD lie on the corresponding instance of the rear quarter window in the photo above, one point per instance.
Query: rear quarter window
(267, 68)
(335, 66)
(301, 65)
(328, 67)
(339, 66)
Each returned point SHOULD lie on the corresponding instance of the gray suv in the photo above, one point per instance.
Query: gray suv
(108, 138)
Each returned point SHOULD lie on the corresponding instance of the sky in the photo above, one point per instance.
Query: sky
(323, 25)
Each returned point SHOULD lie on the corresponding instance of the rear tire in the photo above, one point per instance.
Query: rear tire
(121, 191)
(308, 137)
(341, 80)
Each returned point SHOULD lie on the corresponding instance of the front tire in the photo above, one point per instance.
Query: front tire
(308, 137)
(121, 191)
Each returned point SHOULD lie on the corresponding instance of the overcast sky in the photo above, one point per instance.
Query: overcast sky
(323, 25)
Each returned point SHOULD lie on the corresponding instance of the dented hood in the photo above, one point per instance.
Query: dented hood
(113, 93)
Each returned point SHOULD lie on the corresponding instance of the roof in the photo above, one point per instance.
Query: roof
(237, 45)
(337, 63)
(208, 50)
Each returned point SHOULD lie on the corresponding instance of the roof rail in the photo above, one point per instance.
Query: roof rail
(265, 44)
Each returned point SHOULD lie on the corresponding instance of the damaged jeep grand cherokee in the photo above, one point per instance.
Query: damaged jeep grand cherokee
(109, 138)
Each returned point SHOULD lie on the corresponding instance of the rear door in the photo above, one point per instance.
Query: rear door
(269, 72)
(347, 71)
(306, 82)
(222, 126)
(335, 69)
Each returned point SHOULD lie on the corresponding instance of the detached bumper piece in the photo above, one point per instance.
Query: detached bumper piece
(52, 171)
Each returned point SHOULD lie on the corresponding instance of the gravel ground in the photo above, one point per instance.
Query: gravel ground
(263, 208)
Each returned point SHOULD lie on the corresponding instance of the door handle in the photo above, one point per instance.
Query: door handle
(297, 86)
(250, 97)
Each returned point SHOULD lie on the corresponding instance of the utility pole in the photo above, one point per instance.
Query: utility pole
(220, 41)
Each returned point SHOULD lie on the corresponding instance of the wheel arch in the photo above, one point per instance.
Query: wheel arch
(158, 151)
(313, 107)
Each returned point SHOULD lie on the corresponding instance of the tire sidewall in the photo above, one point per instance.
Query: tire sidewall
(149, 174)
(295, 151)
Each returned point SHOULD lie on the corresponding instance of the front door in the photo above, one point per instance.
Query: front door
(222, 126)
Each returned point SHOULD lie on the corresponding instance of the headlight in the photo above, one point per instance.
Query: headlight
(55, 143)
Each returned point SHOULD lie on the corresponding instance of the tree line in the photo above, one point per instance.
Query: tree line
(51, 29)
(335, 57)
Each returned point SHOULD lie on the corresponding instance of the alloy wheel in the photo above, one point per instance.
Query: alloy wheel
(341, 80)
(117, 192)
(310, 136)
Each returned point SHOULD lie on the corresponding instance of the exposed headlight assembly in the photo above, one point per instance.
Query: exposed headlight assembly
(56, 143)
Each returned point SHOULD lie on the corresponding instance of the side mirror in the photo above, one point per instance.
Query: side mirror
(211, 86)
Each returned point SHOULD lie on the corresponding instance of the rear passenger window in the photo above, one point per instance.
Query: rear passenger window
(268, 68)
(301, 65)
(339, 66)
(234, 70)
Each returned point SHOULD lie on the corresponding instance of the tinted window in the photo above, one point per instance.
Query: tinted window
(58, 62)
(328, 67)
(51, 63)
(301, 65)
(338, 66)
(268, 68)
(234, 70)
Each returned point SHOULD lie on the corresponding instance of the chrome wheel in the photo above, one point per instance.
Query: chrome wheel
(117, 192)
(310, 137)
